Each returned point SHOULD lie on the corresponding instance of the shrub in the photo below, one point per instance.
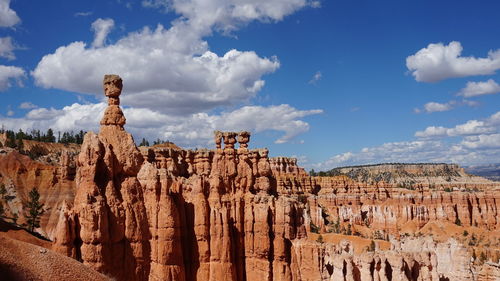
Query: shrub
(320, 239)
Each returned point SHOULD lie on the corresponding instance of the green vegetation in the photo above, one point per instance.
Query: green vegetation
(458, 222)
(33, 209)
(378, 235)
(14, 139)
(335, 228)
(144, 142)
(320, 239)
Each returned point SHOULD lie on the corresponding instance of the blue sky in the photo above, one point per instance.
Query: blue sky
(330, 82)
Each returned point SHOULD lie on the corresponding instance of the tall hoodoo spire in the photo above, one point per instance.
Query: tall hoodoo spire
(113, 115)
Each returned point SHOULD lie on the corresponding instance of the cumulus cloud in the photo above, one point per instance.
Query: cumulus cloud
(473, 89)
(7, 48)
(162, 69)
(8, 17)
(474, 142)
(172, 81)
(421, 151)
(73, 117)
(228, 15)
(471, 127)
(316, 77)
(438, 62)
(280, 118)
(437, 107)
(482, 141)
(27, 105)
(190, 131)
(173, 67)
(9, 74)
(407, 152)
(101, 28)
(431, 107)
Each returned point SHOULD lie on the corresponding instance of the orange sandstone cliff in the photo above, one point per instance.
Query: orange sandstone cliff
(233, 213)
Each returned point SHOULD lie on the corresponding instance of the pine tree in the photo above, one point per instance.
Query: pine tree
(33, 209)
(144, 142)
(50, 136)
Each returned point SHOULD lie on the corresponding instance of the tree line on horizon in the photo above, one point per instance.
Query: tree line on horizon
(14, 139)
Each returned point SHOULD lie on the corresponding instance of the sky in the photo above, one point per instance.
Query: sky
(333, 83)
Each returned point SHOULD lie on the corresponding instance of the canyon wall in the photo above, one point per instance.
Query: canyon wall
(233, 213)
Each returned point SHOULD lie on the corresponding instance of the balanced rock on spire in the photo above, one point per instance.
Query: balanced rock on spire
(113, 115)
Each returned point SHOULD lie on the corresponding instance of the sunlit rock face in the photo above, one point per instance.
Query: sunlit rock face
(233, 213)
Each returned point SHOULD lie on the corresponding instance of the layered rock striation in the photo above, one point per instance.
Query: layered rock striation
(233, 213)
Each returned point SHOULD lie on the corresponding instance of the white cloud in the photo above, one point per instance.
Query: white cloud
(432, 131)
(8, 17)
(190, 131)
(171, 70)
(482, 141)
(27, 105)
(471, 143)
(316, 77)
(101, 28)
(9, 73)
(7, 48)
(257, 118)
(228, 15)
(172, 81)
(431, 107)
(473, 89)
(471, 127)
(166, 70)
(315, 4)
(70, 118)
(437, 107)
(439, 62)
(407, 152)
(421, 151)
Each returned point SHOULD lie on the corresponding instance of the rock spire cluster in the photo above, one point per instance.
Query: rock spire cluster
(163, 213)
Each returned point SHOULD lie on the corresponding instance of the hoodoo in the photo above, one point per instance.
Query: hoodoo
(107, 229)
(232, 213)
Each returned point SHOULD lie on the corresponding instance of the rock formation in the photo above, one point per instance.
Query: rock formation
(107, 228)
(233, 213)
